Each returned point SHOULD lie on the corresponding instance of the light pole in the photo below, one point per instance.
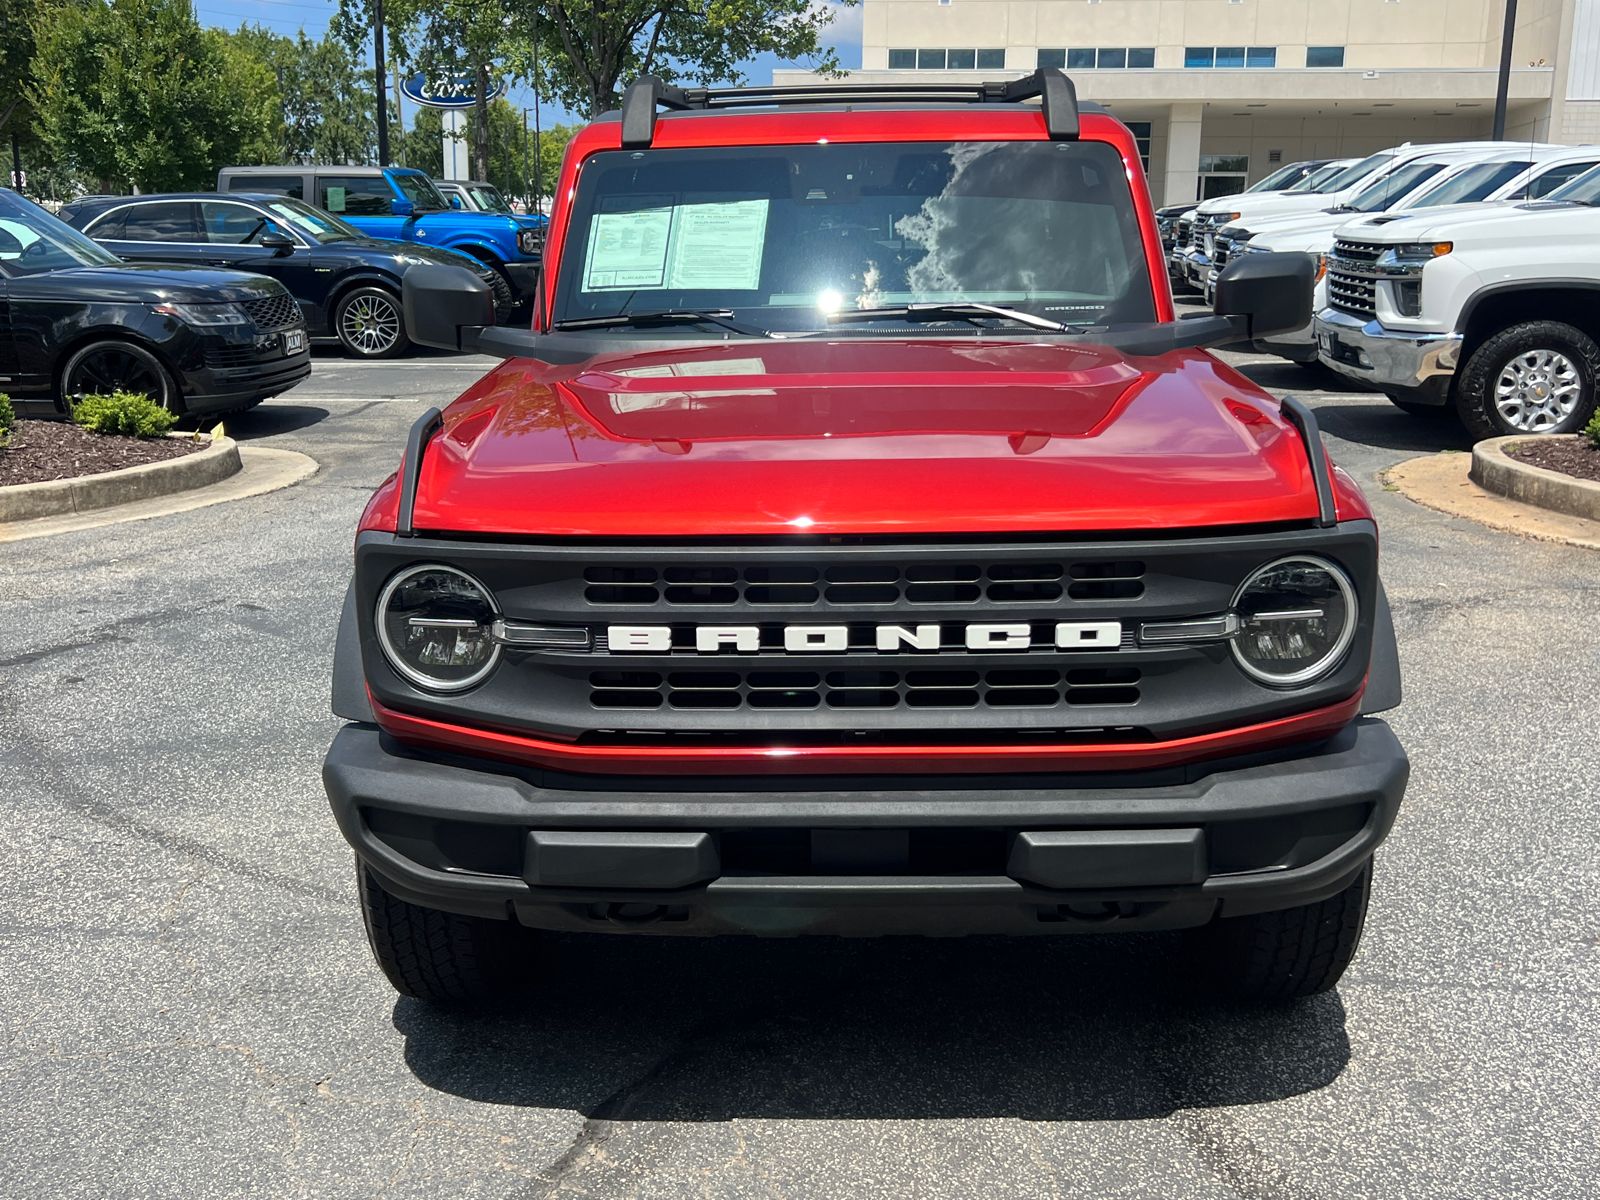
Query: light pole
(383, 90)
(1503, 86)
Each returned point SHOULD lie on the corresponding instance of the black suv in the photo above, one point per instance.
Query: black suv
(347, 284)
(76, 319)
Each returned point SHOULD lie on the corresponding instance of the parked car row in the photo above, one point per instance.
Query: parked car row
(1458, 278)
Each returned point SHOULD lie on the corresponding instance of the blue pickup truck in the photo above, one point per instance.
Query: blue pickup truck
(402, 203)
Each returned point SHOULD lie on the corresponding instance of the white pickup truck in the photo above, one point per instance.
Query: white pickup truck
(1494, 312)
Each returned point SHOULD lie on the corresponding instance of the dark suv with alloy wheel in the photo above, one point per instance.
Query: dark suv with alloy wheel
(347, 284)
(75, 319)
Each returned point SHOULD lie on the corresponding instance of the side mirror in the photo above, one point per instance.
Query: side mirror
(402, 208)
(1268, 293)
(280, 244)
(455, 201)
(446, 307)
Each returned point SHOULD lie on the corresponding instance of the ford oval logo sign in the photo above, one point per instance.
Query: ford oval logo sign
(446, 91)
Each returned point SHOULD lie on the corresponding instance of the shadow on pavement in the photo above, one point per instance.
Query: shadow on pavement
(1075, 1028)
(270, 419)
(1285, 376)
(1383, 425)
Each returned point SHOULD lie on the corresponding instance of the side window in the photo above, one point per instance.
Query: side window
(283, 185)
(1555, 177)
(109, 227)
(354, 195)
(163, 221)
(232, 224)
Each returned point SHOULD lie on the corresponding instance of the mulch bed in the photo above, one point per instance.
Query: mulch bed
(42, 450)
(1580, 459)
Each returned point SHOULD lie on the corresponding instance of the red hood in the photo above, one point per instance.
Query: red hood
(863, 437)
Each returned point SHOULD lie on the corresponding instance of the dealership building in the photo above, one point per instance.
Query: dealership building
(1222, 92)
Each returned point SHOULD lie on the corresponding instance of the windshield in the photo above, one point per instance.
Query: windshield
(1376, 197)
(1317, 180)
(32, 242)
(780, 236)
(1472, 184)
(1585, 189)
(420, 191)
(1354, 174)
(489, 199)
(311, 222)
(1279, 179)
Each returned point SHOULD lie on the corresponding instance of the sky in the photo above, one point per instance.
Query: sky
(287, 16)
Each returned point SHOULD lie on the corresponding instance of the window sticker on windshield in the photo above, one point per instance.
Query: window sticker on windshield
(719, 245)
(304, 220)
(628, 249)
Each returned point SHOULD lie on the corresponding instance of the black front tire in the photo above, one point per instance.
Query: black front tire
(1278, 957)
(441, 957)
(1475, 390)
(111, 364)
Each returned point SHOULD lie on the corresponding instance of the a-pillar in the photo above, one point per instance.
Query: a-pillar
(1180, 180)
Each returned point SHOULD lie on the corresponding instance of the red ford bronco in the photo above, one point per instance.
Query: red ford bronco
(857, 544)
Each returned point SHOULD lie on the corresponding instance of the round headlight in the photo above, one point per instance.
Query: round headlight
(1296, 619)
(435, 627)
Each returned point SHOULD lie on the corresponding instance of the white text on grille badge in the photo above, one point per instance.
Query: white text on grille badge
(815, 639)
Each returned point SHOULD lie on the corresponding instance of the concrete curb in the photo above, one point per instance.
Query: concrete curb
(87, 493)
(1440, 481)
(1494, 470)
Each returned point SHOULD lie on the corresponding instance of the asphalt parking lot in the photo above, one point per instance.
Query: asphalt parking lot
(190, 1010)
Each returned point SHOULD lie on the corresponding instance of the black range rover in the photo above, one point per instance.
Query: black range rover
(75, 319)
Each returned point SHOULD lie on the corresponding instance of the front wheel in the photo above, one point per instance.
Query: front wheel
(1535, 377)
(103, 367)
(1286, 955)
(370, 323)
(441, 957)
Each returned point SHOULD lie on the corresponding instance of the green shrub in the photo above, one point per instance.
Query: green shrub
(1592, 431)
(8, 418)
(125, 413)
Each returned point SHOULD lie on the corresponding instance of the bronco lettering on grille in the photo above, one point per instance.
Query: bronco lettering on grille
(801, 639)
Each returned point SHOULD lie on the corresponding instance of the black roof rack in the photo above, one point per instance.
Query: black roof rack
(1051, 87)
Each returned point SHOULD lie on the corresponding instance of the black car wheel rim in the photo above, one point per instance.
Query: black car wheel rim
(369, 324)
(116, 369)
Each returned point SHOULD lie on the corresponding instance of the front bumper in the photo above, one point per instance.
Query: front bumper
(1158, 849)
(224, 389)
(1416, 365)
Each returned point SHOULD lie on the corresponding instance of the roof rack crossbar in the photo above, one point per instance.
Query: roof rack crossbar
(1055, 92)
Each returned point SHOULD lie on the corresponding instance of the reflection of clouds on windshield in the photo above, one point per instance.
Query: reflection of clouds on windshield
(871, 286)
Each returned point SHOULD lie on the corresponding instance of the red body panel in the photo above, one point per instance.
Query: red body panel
(863, 437)
(910, 759)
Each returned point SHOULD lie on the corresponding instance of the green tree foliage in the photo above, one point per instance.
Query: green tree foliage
(422, 146)
(589, 49)
(326, 101)
(136, 92)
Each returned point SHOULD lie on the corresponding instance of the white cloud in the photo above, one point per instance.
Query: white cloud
(845, 28)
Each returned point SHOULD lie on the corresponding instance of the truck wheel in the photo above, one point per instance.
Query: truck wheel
(370, 324)
(1536, 377)
(443, 958)
(1285, 955)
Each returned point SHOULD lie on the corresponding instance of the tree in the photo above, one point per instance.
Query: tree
(422, 146)
(18, 126)
(587, 48)
(135, 92)
(327, 112)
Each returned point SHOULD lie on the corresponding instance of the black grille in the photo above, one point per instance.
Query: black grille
(867, 688)
(273, 312)
(863, 585)
(1181, 238)
(231, 356)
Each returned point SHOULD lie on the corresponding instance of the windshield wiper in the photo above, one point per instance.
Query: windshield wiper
(938, 311)
(721, 317)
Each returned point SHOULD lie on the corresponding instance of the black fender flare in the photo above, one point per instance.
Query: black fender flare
(1383, 672)
(349, 679)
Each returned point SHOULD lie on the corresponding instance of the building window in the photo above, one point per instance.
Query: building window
(1230, 56)
(961, 59)
(1324, 56)
(1141, 138)
(1104, 58)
